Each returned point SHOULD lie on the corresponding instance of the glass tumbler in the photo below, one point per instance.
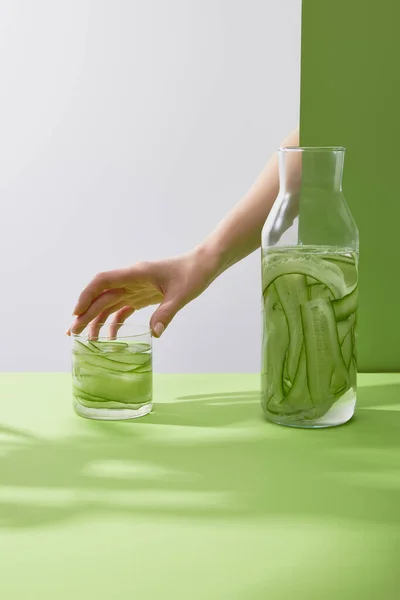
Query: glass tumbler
(112, 375)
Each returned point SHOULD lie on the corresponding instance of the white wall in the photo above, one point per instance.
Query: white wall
(127, 130)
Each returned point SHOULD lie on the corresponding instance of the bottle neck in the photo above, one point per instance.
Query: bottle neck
(311, 168)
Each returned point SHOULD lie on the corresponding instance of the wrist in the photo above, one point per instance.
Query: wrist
(210, 254)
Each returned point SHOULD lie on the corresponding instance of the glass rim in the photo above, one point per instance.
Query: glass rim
(145, 331)
(312, 149)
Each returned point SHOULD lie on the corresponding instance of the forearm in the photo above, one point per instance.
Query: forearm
(239, 233)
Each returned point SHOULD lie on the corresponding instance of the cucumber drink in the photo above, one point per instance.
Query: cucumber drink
(309, 368)
(111, 379)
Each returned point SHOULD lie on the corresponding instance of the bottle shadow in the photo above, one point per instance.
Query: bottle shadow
(208, 456)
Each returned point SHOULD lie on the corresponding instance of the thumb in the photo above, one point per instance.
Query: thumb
(163, 316)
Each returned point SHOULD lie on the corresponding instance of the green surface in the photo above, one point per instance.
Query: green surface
(201, 499)
(350, 91)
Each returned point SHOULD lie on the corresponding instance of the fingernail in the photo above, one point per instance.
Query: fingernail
(158, 329)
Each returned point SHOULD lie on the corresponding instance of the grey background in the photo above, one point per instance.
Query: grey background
(128, 130)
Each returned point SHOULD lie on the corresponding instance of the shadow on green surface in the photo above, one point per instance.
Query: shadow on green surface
(218, 459)
(209, 410)
(16, 433)
(380, 396)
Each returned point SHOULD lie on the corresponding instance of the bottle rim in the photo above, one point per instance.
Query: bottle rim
(312, 149)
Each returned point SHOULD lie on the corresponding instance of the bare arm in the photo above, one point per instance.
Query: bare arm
(239, 233)
(174, 282)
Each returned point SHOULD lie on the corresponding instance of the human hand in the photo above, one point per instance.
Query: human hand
(172, 283)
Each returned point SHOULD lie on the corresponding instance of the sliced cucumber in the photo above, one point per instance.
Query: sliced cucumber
(92, 346)
(318, 294)
(87, 361)
(319, 291)
(89, 397)
(114, 355)
(112, 374)
(115, 387)
(347, 349)
(298, 400)
(327, 373)
(348, 266)
(98, 402)
(109, 346)
(275, 346)
(110, 404)
(80, 347)
(324, 272)
(311, 281)
(344, 327)
(346, 306)
(129, 358)
(292, 293)
(144, 368)
(353, 372)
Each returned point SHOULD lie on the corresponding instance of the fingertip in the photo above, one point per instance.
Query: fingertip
(158, 330)
(82, 304)
(73, 329)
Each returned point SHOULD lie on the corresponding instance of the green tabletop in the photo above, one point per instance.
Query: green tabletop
(200, 499)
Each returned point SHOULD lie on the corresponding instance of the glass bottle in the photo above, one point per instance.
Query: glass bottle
(310, 293)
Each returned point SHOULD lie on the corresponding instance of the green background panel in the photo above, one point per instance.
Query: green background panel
(350, 96)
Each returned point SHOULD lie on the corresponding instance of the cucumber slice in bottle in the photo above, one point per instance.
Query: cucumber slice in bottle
(347, 349)
(345, 327)
(316, 289)
(346, 306)
(348, 266)
(292, 293)
(319, 290)
(324, 272)
(275, 344)
(353, 371)
(327, 374)
(311, 281)
(297, 400)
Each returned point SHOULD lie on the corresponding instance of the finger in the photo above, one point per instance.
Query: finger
(164, 314)
(104, 301)
(100, 283)
(118, 319)
(97, 323)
